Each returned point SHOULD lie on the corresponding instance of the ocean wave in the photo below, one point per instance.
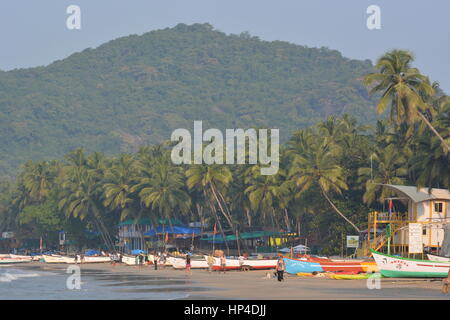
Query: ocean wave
(10, 276)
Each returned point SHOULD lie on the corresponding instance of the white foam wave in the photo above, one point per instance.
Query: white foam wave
(10, 276)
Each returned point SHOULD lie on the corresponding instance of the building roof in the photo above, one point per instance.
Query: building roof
(422, 194)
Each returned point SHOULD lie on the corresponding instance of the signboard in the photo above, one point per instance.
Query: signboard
(7, 235)
(352, 241)
(415, 238)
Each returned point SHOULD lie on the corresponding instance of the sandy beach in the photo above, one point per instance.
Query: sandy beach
(255, 284)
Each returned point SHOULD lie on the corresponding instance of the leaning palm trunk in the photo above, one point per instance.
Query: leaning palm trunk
(286, 219)
(444, 143)
(337, 210)
(214, 211)
(227, 215)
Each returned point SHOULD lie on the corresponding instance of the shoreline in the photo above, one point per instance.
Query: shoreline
(253, 285)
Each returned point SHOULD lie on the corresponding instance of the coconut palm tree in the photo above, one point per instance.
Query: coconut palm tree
(403, 88)
(212, 181)
(315, 164)
(388, 168)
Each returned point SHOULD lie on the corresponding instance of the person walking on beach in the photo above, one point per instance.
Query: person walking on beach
(210, 262)
(155, 261)
(280, 269)
(76, 259)
(188, 265)
(223, 263)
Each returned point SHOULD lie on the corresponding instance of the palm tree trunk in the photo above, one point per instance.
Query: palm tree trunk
(444, 143)
(339, 212)
(286, 219)
(227, 214)
(214, 211)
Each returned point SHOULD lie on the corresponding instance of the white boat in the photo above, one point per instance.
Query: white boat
(7, 259)
(235, 264)
(433, 257)
(398, 267)
(129, 260)
(180, 263)
(94, 259)
(21, 257)
(57, 259)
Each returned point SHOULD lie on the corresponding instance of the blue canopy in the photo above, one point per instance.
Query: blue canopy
(172, 230)
(137, 251)
(92, 253)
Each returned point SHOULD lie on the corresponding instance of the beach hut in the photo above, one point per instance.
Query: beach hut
(428, 207)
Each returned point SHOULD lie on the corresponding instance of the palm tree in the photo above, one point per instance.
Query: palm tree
(388, 168)
(81, 198)
(166, 193)
(402, 87)
(315, 164)
(212, 181)
(38, 179)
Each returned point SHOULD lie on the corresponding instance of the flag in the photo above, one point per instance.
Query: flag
(390, 207)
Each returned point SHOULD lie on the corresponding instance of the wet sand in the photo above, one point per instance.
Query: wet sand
(254, 284)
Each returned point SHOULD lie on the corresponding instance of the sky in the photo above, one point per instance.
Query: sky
(34, 33)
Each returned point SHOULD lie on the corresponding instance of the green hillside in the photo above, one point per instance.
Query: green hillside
(135, 90)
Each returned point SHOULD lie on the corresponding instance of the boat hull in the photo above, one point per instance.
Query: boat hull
(398, 267)
(180, 263)
(432, 257)
(58, 259)
(294, 266)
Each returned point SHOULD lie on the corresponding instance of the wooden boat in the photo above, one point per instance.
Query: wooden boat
(433, 257)
(57, 259)
(94, 259)
(398, 267)
(339, 276)
(196, 263)
(253, 264)
(7, 259)
(21, 257)
(294, 266)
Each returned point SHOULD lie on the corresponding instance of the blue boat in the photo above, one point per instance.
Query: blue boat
(294, 266)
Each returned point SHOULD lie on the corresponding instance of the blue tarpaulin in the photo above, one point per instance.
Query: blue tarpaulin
(137, 251)
(92, 253)
(172, 230)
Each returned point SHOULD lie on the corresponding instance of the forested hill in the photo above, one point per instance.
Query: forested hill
(135, 90)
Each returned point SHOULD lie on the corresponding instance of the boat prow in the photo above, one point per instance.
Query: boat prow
(399, 267)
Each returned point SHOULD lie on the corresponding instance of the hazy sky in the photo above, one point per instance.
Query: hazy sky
(34, 33)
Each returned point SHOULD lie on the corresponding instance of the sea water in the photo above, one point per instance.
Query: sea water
(35, 284)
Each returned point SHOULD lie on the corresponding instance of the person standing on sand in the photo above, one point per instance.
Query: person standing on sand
(223, 263)
(188, 265)
(280, 269)
(210, 262)
(155, 261)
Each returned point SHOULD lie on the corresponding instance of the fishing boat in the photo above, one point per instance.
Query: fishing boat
(253, 264)
(196, 263)
(398, 267)
(21, 257)
(433, 257)
(8, 259)
(93, 259)
(294, 266)
(57, 259)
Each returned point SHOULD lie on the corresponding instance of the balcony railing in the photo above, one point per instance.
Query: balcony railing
(385, 217)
